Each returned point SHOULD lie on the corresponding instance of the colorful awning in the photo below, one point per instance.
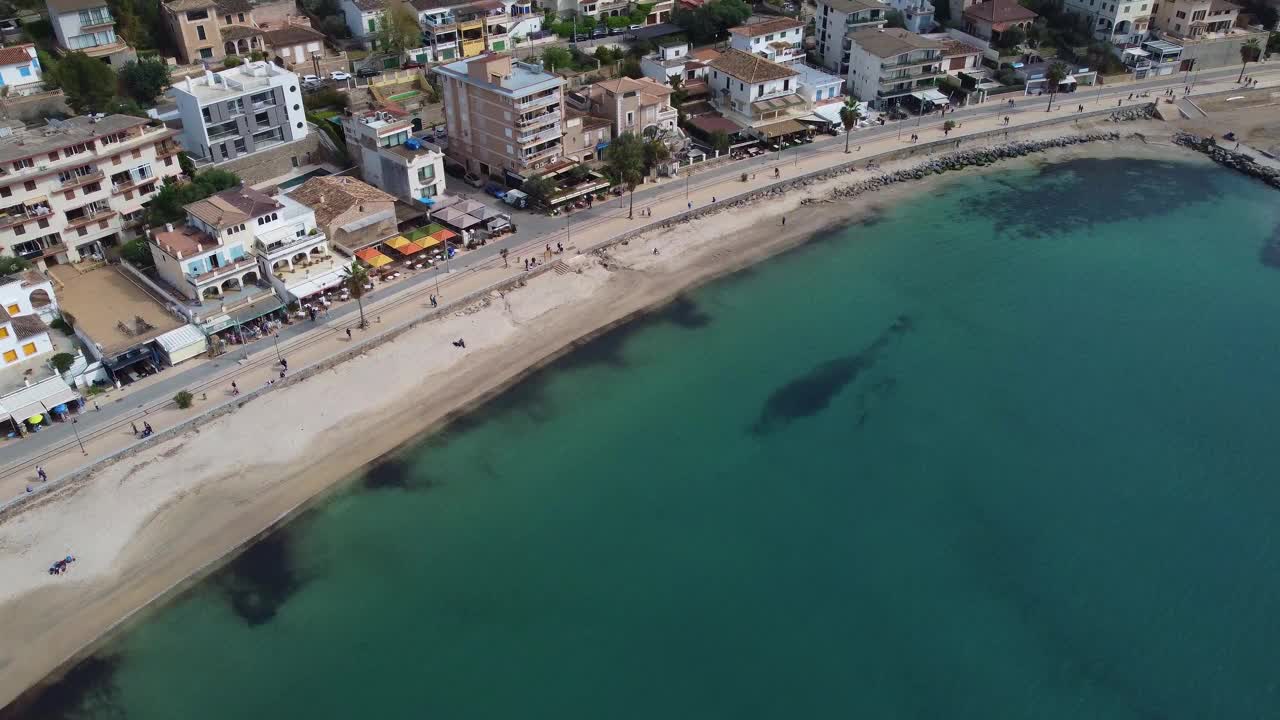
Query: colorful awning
(372, 257)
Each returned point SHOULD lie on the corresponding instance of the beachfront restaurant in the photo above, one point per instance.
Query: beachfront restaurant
(34, 406)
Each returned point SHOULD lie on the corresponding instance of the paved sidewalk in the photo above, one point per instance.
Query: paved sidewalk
(107, 430)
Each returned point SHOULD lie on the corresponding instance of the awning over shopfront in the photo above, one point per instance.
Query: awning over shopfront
(712, 123)
(372, 257)
(403, 245)
(456, 218)
(776, 104)
(1068, 80)
(183, 343)
(1136, 52)
(782, 129)
(932, 96)
(317, 284)
(36, 399)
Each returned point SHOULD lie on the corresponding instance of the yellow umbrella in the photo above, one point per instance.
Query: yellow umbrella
(35, 419)
(378, 260)
(398, 241)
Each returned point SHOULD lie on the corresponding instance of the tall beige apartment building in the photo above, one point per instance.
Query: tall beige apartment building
(502, 115)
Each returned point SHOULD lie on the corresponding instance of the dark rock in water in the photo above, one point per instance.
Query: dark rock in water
(88, 690)
(1270, 254)
(391, 473)
(685, 313)
(261, 580)
(812, 392)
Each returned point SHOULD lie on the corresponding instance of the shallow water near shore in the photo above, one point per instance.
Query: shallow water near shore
(1005, 449)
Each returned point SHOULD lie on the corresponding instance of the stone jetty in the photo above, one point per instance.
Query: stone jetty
(1228, 158)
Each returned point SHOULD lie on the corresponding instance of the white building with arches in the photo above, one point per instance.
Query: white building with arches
(27, 302)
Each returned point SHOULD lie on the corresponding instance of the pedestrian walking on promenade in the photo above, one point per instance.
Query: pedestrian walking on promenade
(348, 333)
(235, 389)
(40, 472)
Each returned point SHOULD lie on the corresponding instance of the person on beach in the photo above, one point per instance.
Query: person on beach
(559, 248)
(690, 205)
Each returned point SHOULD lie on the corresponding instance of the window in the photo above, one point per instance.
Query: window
(24, 71)
(30, 185)
(241, 17)
(227, 19)
(23, 163)
(5, 191)
(200, 32)
(14, 309)
(1198, 15)
(631, 118)
(373, 25)
(240, 146)
(29, 349)
(19, 230)
(4, 331)
(10, 355)
(1181, 15)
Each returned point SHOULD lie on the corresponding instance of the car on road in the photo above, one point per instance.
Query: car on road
(474, 180)
(339, 75)
(368, 72)
(412, 65)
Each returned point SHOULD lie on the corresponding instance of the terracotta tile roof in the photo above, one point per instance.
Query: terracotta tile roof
(704, 54)
(237, 32)
(768, 26)
(232, 207)
(181, 6)
(750, 68)
(66, 6)
(626, 84)
(235, 6)
(1000, 11)
(25, 326)
(369, 5)
(890, 42)
(185, 241)
(291, 35)
(330, 196)
(952, 48)
(15, 55)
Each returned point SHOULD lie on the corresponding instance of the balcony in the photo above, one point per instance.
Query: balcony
(543, 154)
(439, 21)
(909, 77)
(129, 183)
(42, 252)
(285, 241)
(218, 273)
(23, 214)
(89, 217)
(537, 120)
(78, 180)
(540, 101)
(540, 137)
(912, 62)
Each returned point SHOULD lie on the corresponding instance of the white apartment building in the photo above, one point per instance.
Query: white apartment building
(392, 159)
(753, 91)
(68, 189)
(242, 110)
(1195, 19)
(778, 39)
(1122, 22)
(672, 61)
(888, 64)
(917, 15)
(87, 26)
(20, 70)
(834, 20)
(502, 115)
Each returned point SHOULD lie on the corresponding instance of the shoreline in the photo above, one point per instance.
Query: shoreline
(634, 284)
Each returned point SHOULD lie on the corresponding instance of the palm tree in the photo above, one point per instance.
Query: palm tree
(1056, 73)
(356, 276)
(625, 160)
(849, 117)
(1249, 52)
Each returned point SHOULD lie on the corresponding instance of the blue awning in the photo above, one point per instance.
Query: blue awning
(602, 144)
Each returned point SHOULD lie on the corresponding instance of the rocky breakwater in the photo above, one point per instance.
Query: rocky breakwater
(1228, 158)
(960, 160)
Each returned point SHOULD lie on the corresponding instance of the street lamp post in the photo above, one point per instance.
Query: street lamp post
(74, 429)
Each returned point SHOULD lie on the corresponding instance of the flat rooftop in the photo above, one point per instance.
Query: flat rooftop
(246, 78)
(524, 77)
(57, 134)
(104, 298)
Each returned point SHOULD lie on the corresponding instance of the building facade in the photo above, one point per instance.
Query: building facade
(362, 18)
(26, 300)
(391, 158)
(1194, 19)
(87, 26)
(295, 45)
(454, 30)
(239, 111)
(351, 213)
(917, 15)
(20, 70)
(67, 190)
(752, 91)
(886, 65)
(639, 106)
(834, 20)
(778, 39)
(1121, 23)
(209, 30)
(502, 115)
(671, 61)
(990, 19)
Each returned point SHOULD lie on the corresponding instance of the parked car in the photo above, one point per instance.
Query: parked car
(368, 72)
(340, 75)
(496, 190)
(474, 180)
(411, 65)
(617, 30)
(516, 198)
(633, 28)
(453, 168)
(582, 36)
(599, 32)
(311, 79)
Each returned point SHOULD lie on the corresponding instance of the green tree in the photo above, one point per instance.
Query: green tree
(356, 276)
(709, 22)
(1056, 73)
(231, 61)
(183, 399)
(539, 189)
(10, 264)
(89, 84)
(124, 106)
(137, 252)
(1273, 43)
(850, 114)
(187, 164)
(720, 141)
(63, 361)
(556, 57)
(655, 153)
(948, 126)
(631, 68)
(1011, 38)
(1249, 52)
(605, 55)
(167, 205)
(625, 159)
(398, 30)
(145, 80)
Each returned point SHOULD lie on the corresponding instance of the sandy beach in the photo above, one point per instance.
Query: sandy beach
(144, 525)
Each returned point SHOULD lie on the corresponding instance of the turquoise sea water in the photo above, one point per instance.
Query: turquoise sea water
(1004, 450)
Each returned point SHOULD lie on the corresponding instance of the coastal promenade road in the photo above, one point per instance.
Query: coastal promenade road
(108, 429)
